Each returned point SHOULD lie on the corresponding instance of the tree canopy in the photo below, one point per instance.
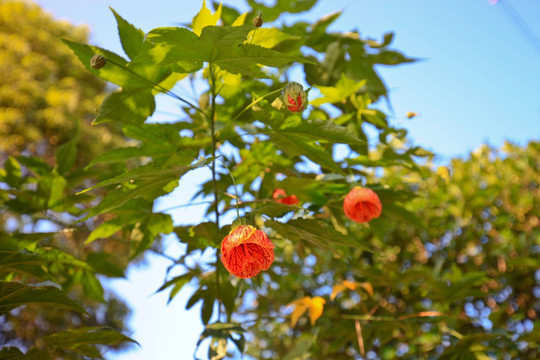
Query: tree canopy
(47, 102)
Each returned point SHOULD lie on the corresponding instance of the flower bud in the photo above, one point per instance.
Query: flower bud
(246, 251)
(362, 205)
(294, 97)
(258, 21)
(98, 61)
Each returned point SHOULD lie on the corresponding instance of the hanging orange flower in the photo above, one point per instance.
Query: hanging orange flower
(246, 251)
(281, 197)
(362, 205)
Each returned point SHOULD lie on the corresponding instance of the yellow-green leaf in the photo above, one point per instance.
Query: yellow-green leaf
(268, 37)
(344, 88)
(239, 20)
(205, 18)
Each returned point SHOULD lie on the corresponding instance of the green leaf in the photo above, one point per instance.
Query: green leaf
(131, 105)
(11, 353)
(154, 225)
(219, 330)
(205, 18)
(14, 294)
(92, 286)
(132, 38)
(36, 164)
(219, 45)
(201, 236)
(279, 7)
(128, 76)
(366, 161)
(109, 228)
(21, 262)
(320, 130)
(344, 88)
(20, 241)
(51, 187)
(269, 37)
(110, 72)
(274, 209)
(72, 339)
(128, 153)
(13, 175)
(387, 39)
(301, 348)
(195, 298)
(399, 212)
(65, 155)
(375, 117)
(163, 136)
(159, 223)
(316, 232)
(177, 283)
(100, 263)
(297, 145)
(390, 57)
(207, 308)
(150, 173)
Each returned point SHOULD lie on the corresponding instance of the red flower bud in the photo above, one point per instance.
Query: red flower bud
(294, 97)
(281, 197)
(246, 251)
(362, 205)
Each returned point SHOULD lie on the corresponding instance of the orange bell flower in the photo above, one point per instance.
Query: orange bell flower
(362, 205)
(280, 196)
(246, 251)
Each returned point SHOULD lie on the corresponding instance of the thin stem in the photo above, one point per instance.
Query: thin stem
(184, 205)
(249, 107)
(237, 199)
(159, 87)
(253, 36)
(163, 254)
(211, 118)
(255, 102)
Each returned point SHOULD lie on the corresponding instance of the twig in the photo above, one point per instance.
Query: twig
(360, 338)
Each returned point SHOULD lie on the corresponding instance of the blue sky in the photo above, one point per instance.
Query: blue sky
(478, 81)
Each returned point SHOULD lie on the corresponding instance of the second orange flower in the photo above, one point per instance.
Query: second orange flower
(362, 205)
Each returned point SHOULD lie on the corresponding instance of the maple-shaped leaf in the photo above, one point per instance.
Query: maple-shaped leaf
(219, 45)
(313, 305)
(344, 88)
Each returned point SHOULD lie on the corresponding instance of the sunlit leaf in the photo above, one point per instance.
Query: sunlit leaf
(131, 37)
(205, 18)
(220, 45)
(344, 88)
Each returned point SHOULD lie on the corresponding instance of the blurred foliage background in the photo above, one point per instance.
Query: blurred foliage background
(47, 103)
